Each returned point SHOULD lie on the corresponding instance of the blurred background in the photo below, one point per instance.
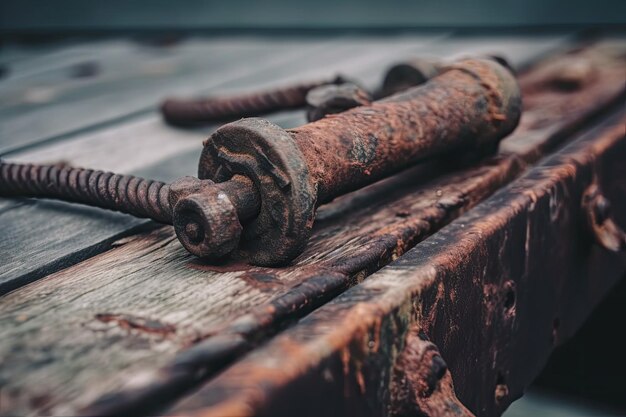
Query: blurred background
(77, 15)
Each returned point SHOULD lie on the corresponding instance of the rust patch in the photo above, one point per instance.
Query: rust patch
(130, 322)
(422, 384)
(264, 280)
(600, 222)
(232, 266)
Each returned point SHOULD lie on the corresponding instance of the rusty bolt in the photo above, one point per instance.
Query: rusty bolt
(259, 185)
(409, 74)
(333, 99)
(192, 112)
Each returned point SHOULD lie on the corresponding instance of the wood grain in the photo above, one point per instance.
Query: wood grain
(231, 308)
(128, 79)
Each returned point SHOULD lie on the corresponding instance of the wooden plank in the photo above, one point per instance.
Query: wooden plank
(497, 290)
(23, 56)
(135, 307)
(129, 79)
(46, 101)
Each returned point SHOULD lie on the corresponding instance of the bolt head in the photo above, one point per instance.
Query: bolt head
(205, 220)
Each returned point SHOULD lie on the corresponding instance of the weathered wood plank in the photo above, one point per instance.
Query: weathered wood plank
(45, 101)
(150, 277)
(28, 57)
(128, 79)
(495, 322)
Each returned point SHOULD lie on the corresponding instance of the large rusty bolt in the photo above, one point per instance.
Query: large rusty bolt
(470, 105)
(421, 383)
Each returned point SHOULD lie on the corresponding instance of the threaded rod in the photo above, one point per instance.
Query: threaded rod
(125, 193)
(184, 112)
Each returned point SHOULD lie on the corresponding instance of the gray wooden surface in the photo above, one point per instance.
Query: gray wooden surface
(93, 278)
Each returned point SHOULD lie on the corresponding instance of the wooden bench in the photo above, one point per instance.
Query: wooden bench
(443, 288)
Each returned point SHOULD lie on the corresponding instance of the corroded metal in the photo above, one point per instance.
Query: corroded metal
(333, 99)
(409, 74)
(469, 107)
(126, 193)
(368, 352)
(417, 71)
(259, 185)
(600, 221)
(190, 112)
(421, 382)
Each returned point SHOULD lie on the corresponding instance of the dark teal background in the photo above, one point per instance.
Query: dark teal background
(51, 15)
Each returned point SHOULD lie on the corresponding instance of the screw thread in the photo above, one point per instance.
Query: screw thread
(125, 193)
(181, 112)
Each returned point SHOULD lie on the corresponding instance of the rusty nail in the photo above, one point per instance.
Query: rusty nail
(259, 185)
